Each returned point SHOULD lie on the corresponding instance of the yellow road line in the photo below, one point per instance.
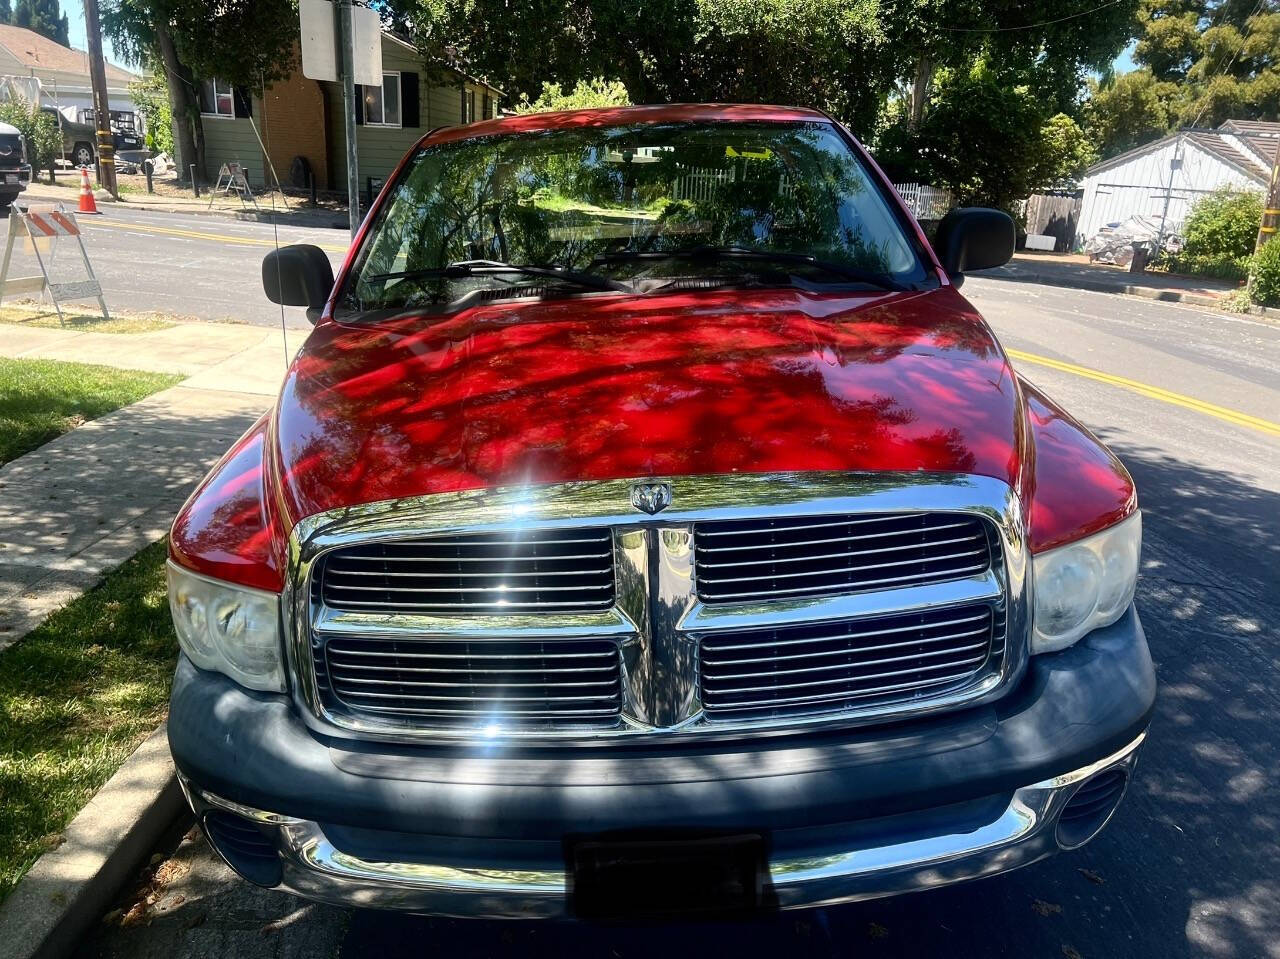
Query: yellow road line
(197, 235)
(1234, 417)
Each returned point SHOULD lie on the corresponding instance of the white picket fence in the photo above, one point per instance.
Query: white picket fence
(925, 202)
(701, 183)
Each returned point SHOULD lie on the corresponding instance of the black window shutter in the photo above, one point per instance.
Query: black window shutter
(242, 103)
(409, 113)
(359, 103)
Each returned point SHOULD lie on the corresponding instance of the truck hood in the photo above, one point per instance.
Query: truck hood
(609, 387)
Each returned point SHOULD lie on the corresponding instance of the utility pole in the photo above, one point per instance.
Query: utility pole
(342, 10)
(1174, 166)
(1271, 211)
(101, 105)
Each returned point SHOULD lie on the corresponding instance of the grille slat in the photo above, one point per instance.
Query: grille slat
(787, 543)
(782, 707)
(847, 676)
(473, 573)
(842, 637)
(706, 564)
(883, 661)
(476, 682)
(502, 588)
(846, 569)
(878, 552)
(829, 666)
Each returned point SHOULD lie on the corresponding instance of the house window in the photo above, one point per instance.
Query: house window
(216, 99)
(468, 105)
(484, 107)
(382, 104)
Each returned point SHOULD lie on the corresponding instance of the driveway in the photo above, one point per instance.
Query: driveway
(1189, 865)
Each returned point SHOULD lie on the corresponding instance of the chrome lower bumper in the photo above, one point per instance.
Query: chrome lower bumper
(1023, 833)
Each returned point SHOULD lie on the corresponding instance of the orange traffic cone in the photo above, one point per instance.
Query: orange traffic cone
(86, 193)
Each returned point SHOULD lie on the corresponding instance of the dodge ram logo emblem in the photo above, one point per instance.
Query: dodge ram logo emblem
(651, 497)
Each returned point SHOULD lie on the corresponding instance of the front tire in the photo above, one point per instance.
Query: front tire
(82, 155)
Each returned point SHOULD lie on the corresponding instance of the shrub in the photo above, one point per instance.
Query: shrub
(1234, 269)
(1223, 224)
(1265, 282)
(44, 142)
(1237, 301)
(597, 92)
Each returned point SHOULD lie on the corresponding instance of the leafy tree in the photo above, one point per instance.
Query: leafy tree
(44, 140)
(45, 17)
(1202, 62)
(875, 64)
(1133, 109)
(151, 94)
(6, 11)
(597, 92)
(989, 140)
(246, 43)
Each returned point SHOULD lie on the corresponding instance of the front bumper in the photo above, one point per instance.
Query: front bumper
(849, 816)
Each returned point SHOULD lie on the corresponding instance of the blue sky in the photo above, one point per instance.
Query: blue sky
(74, 10)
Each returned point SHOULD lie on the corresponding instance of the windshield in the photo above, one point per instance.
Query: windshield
(635, 205)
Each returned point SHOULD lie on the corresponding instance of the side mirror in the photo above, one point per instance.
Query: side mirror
(298, 276)
(974, 238)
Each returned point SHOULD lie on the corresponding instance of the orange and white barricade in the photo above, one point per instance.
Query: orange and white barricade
(43, 227)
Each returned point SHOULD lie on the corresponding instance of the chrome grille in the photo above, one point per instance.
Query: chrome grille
(741, 561)
(818, 667)
(563, 682)
(547, 610)
(537, 571)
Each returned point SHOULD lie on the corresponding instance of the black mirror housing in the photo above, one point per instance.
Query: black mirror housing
(974, 238)
(299, 275)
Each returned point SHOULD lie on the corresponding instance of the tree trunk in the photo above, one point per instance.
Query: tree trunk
(920, 90)
(188, 134)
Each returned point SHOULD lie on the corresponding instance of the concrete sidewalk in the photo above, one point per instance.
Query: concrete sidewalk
(81, 505)
(1074, 271)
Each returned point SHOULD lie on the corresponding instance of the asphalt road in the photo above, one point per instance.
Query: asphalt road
(206, 267)
(1191, 864)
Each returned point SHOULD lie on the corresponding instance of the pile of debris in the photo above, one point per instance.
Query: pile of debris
(1116, 243)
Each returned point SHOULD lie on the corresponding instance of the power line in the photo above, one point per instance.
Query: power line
(1230, 63)
(1033, 26)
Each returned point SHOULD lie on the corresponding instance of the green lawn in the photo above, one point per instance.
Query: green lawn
(42, 399)
(77, 695)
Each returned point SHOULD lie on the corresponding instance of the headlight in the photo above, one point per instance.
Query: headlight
(227, 628)
(1085, 585)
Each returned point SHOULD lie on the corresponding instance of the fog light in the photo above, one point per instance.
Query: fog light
(1091, 807)
(246, 846)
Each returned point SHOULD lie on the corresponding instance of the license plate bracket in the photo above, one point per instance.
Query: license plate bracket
(667, 876)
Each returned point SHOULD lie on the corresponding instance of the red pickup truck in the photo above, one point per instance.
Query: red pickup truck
(650, 526)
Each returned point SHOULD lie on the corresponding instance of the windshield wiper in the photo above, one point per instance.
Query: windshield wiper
(464, 268)
(714, 253)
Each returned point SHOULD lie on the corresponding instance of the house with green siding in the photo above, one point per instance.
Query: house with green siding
(296, 128)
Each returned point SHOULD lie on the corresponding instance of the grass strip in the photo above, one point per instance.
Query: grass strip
(42, 399)
(34, 315)
(77, 696)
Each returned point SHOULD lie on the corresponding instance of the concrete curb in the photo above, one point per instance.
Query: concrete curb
(1126, 289)
(302, 217)
(69, 888)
